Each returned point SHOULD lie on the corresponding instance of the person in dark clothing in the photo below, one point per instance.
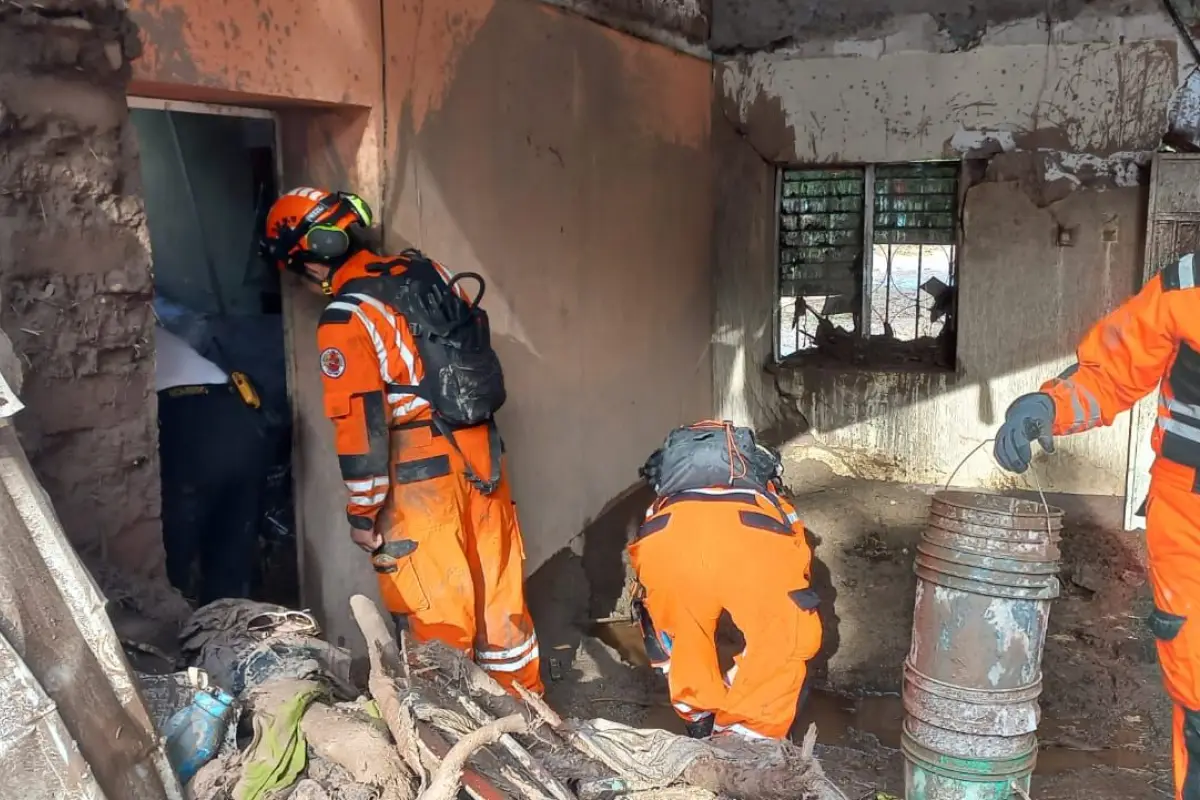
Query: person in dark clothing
(213, 460)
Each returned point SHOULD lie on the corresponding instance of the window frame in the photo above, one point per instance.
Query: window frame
(868, 256)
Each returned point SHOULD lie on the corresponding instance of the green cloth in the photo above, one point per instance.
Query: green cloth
(280, 752)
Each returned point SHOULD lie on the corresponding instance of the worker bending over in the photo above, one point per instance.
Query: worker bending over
(721, 538)
(1153, 337)
(411, 384)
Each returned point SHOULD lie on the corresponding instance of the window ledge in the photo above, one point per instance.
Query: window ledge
(866, 362)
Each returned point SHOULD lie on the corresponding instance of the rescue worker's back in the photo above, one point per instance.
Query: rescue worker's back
(734, 547)
(704, 552)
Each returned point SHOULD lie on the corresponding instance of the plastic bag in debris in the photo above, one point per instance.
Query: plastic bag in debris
(645, 758)
(710, 454)
(242, 643)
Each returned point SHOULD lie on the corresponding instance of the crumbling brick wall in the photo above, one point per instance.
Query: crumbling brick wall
(75, 274)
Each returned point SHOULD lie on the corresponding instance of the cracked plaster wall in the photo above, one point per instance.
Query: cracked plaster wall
(1068, 116)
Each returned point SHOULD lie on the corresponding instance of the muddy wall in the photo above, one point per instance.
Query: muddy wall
(74, 274)
(565, 161)
(1063, 119)
(321, 70)
(569, 164)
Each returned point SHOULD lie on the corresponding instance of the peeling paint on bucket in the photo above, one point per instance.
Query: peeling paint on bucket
(973, 673)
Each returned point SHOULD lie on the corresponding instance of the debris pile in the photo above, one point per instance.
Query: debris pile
(433, 725)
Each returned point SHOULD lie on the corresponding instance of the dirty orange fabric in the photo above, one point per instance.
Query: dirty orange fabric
(463, 581)
(1153, 336)
(1154, 340)
(1173, 540)
(703, 552)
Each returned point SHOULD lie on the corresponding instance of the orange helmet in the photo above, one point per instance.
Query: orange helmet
(311, 225)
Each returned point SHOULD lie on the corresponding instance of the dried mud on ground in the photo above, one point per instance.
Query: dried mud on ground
(1105, 728)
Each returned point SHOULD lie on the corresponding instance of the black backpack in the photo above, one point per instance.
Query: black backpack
(463, 382)
(708, 455)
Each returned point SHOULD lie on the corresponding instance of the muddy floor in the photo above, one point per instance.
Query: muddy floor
(1105, 728)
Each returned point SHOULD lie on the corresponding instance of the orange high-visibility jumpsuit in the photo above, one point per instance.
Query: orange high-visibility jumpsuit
(1156, 336)
(459, 575)
(703, 552)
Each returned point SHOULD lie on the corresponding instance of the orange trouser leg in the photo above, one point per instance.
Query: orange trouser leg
(693, 674)
(506, 644)
(1173, 539)
(432, 588)
(770, 672)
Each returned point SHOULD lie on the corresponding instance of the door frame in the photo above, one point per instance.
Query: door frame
(135, 101)
(1144, 414)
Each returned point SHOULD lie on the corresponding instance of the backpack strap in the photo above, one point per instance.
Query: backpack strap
(495, 450)
(495, 444)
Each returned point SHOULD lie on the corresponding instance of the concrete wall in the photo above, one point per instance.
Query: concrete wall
(1066, 117)
(569, 164)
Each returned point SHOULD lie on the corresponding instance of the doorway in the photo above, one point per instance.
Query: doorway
(209, 176)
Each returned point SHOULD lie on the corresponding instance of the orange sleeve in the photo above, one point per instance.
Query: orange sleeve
(1120, 361)
(355, 402)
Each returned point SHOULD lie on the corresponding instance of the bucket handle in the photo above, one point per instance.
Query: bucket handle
(1036, 482)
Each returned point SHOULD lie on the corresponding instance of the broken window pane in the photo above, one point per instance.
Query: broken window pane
(910, 212)
(820, 252)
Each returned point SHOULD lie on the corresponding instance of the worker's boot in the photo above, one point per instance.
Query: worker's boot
(701, 728)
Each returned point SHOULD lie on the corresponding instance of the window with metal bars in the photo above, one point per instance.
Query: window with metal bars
(868, 253)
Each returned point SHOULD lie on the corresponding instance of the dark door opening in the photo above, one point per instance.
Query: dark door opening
(209, 175)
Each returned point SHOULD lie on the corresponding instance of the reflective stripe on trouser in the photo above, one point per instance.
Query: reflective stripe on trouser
(463, 583)
(1173, 539)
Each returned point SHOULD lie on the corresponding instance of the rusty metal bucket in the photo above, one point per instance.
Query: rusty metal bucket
(987, 570)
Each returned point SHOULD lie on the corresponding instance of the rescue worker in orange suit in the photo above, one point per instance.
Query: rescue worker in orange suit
(738, 550)
(411, 384)
(1153, 337)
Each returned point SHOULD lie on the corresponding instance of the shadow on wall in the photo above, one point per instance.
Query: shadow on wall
(544, 163)
(590, 579)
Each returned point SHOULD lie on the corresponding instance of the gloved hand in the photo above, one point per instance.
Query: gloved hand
(1030, 417)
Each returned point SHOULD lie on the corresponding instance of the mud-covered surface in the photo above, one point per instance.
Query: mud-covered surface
(1101, 684)
(75, 273)
(1105, 729)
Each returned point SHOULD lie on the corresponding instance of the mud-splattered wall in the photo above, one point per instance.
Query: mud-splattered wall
(1066, 115)
(321, 69)
(74, 273)
(569, 164)
(566, 162)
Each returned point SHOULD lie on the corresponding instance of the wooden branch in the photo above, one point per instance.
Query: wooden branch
(541, 707)
(386, 666)
(552, 784)
(445, 783)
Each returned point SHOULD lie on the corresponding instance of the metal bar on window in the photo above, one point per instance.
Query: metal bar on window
(917, 316)
(777, 334)
(868, 256)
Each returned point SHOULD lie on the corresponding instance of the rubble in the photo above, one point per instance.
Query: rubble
(434, 724)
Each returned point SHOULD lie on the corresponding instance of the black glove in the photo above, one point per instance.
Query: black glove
(1030, 417)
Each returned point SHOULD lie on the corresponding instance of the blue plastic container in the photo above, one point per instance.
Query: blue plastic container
(194, 733)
